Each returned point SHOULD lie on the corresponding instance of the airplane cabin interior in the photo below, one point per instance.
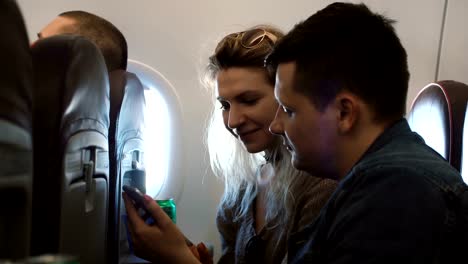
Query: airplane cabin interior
(73, 134)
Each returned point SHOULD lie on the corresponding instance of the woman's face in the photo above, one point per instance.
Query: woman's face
(248, 104)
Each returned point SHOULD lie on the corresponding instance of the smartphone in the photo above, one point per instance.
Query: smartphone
(138, 199)
(136, 196)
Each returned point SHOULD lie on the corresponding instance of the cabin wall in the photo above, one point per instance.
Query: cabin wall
(454, 48)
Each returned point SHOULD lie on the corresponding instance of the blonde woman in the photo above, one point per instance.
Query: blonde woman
(265, 198)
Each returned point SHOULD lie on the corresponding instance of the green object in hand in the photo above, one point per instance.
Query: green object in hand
(168, 205)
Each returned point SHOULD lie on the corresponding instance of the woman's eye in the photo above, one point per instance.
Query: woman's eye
(224, 106)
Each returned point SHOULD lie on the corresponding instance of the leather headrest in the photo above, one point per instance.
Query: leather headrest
(437, 114)
(70, 71)
(127, 103)
(131, 116)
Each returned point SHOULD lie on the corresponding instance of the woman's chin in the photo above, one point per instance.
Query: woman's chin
(252, 148)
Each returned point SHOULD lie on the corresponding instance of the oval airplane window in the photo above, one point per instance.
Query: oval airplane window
(162, 137)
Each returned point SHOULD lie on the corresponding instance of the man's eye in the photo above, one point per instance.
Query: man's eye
(250, 101)
(287, 111)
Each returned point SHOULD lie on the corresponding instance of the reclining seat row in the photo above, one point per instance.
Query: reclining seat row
(76, 205)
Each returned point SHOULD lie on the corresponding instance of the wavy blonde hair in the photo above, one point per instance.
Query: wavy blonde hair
(229, 159)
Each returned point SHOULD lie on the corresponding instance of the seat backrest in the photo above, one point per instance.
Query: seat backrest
(438, 114)
(71, 160)
(464, 158)
(15, 136)
(126, 152)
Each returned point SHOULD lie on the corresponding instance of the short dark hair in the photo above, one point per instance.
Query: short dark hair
(346, 46)
(104, 35)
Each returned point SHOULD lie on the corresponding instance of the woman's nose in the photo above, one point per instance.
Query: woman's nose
(236, 117)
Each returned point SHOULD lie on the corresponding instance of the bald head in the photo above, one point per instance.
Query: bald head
(60, 25)
(101, 32)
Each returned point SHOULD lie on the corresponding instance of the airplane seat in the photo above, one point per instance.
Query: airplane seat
(464, 158)
(70, 140)
(117, 89)
(15, 138)
(126, 153)
(438, 114)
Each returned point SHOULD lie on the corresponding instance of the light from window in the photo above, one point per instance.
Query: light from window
(156, 138)
(162, 136)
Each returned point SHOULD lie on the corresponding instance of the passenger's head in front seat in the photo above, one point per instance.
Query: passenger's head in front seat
(107, 37)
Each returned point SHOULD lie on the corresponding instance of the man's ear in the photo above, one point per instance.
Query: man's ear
(348, 111)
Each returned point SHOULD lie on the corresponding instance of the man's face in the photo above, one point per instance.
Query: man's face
(309, 134)
(60, 25)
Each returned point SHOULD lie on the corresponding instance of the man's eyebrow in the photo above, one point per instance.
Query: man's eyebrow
(39, 35)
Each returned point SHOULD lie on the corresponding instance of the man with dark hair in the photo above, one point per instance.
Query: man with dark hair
(342, 79)
(101, 32)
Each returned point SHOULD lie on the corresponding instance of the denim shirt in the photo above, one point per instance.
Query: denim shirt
(390, 208)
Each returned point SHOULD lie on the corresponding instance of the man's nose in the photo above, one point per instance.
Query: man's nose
(276, 126)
